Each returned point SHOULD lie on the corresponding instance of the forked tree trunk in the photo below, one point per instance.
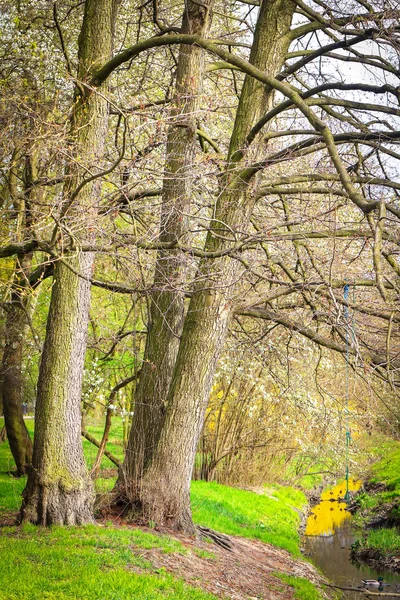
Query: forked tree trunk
(167, 301)
(59, 488)
(166, 485)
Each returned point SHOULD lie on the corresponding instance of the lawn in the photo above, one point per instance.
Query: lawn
(106, 562)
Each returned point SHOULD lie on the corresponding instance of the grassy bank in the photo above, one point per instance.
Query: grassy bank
(270, 518)
(89, 563)
(109, 562)
(380, 504)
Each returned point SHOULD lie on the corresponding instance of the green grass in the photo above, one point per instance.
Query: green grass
(107, 563)
(11, 488)
(384, 542)
(304, 589)
(387, 469)
(86, 563)
(271, 518)
(239, 512)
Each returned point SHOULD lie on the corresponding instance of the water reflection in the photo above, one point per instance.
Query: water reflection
(328, 541)
(330, 513)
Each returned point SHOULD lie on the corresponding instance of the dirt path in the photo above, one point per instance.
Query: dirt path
(246, 572)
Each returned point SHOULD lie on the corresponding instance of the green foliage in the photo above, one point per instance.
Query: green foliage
(89, 563)
(240, 512)
(366, 501)
(304, 589)
(387, 470)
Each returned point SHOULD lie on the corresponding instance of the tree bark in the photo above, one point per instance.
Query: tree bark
(59, 489)
(17, 310)
(166, 314)
(165, 488)
(12, 385)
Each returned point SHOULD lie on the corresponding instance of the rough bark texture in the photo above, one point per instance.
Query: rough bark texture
(59, 488)
(166, 313)
(166, 485)
(12, 385)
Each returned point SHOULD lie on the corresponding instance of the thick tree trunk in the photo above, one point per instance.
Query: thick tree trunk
(59, 488)
(166, 313)
(166, 485)
(12, 385)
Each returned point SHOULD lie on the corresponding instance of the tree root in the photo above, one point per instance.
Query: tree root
(218, 538)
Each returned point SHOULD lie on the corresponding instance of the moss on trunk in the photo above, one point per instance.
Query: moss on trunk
(164, 492)
(59, 488)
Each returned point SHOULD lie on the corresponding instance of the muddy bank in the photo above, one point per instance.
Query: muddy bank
(376, 559)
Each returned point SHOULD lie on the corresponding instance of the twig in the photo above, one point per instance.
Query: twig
(95, 442)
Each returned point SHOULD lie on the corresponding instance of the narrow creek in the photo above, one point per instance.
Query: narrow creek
(327, 541)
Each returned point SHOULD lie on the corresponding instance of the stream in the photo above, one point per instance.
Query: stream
(327, 541)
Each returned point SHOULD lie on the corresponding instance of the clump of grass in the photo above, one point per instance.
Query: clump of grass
(304, 589)
(240, 512)
(386, 541)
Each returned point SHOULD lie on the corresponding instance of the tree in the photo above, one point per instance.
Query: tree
(166, 311)
(164, 490)
(59, 489)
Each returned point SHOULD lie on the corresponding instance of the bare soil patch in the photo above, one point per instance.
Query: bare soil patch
(243, 573)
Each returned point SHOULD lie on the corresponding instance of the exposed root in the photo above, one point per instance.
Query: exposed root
(218, 538)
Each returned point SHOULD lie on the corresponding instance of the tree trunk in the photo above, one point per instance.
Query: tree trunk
(11, 379)
(166, 315)
(166, 485)
(59, 488)
(12, 385)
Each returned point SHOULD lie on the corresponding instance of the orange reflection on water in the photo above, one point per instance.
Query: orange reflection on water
(330, 512)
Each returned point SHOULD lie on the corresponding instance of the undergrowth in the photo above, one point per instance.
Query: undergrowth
(386, 469)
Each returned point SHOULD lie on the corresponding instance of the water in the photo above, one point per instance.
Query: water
(328, 539)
